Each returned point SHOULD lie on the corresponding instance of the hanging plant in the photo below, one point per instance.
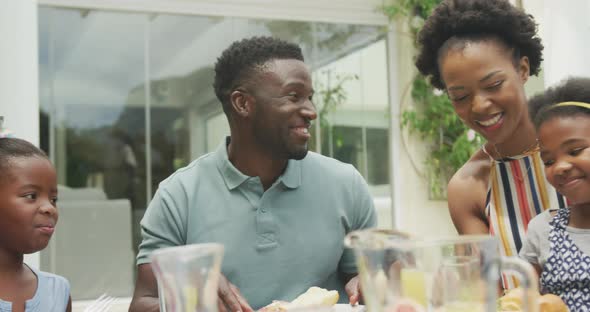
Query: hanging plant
(330, 93)
(432, 116)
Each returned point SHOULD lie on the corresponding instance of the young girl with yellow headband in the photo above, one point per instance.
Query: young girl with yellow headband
(558, 240)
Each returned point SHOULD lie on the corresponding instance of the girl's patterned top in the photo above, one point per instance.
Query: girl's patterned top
(567, 270)
(517, 192)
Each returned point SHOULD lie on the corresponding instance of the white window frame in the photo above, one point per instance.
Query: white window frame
(332, 11)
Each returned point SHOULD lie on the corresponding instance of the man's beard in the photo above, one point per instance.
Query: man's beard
(299, 154)
(291, 152)
(279, 145)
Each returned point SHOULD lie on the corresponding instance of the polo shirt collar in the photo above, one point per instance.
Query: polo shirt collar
(233, 178)
(291, 178)
(231, 175)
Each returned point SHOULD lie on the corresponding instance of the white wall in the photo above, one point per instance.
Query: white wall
(415, 213)
(19, 88)
(565, 30)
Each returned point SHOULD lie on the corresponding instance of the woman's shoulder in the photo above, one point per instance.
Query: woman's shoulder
(477, 168)
(468, 187)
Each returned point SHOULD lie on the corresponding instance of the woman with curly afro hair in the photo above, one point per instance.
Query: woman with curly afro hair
(481, 52)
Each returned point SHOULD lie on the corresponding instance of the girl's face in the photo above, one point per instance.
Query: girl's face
(565, 150)
(28, 196)
(486, 88)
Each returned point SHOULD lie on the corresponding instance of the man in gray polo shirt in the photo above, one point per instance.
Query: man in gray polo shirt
(280, 211)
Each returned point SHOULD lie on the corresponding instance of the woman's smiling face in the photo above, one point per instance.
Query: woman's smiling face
(486, 87)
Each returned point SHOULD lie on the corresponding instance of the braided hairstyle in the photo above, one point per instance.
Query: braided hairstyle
(455, 23)
(246, 57)
(13, 148)
(574, 89)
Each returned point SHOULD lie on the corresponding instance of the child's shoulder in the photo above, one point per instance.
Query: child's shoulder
(53, 282)
(52, 291)
(546, 215)
(541, 221)
(52, 276)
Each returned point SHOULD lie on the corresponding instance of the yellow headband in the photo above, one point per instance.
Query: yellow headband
(579, 104)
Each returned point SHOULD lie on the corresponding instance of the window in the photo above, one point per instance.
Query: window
(126, 99)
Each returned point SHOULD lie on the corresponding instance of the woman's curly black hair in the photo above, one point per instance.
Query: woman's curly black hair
(473, 21)
(574, 89)
(237, 62)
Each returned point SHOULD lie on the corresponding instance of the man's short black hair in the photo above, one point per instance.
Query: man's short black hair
(243, 58)
(12, 148)
(474, 21)
(575, 89)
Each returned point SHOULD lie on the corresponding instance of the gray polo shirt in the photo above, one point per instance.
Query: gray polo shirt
(278, 243)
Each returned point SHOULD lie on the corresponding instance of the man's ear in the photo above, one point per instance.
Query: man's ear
(524, 68)
(242, 103)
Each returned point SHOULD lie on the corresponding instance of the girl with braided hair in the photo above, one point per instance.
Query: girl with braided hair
(28, 206)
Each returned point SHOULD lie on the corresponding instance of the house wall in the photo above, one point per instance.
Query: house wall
(415, 212)
(564, 27)
(19, 88)
(19, 94)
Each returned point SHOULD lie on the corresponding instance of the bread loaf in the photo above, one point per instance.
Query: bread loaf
(314, 296)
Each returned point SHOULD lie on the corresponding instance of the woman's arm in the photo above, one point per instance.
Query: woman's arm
(466, 197)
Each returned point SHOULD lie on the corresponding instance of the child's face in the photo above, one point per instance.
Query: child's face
(565, 149)
(28, 205)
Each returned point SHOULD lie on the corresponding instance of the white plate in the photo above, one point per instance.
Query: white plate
(345, 307)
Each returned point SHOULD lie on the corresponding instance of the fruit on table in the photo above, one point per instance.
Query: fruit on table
(406, 305)
(512, 301)
(551, 303)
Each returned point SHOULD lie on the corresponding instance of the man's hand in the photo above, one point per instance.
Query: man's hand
(230, 299)
(353, 290)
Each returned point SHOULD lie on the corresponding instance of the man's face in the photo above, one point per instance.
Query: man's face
(283, 109)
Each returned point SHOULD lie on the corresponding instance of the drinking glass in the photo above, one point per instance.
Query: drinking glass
(188, 277)
(454, 274)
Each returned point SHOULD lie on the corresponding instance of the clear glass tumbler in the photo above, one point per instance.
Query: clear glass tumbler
(188, 277)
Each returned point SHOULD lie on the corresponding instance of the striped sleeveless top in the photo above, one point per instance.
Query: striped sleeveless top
(517, 192)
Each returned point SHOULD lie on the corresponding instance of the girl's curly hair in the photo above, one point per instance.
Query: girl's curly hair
(473, 21)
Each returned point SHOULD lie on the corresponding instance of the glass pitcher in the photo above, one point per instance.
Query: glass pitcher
(455, 274)
(188, 277)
